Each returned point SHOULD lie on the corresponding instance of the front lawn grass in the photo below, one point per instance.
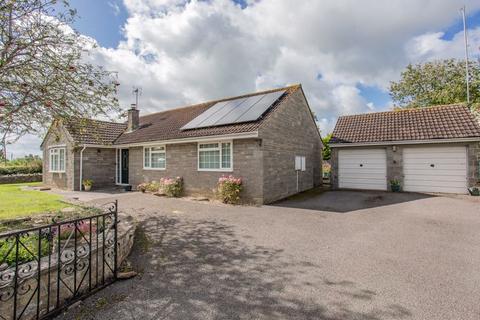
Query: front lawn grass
(15, 202)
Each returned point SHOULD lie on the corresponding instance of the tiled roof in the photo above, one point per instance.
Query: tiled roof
(167, 125)
(87, 131)
(437, 122)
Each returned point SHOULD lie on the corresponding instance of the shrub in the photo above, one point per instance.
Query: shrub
(28, 165)
(142, 187)
(172, 187)
(229, 189)
(69, 229)
(27, 250)
(13, 170)
(153, 186)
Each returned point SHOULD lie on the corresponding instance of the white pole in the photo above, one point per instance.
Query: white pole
(466, 53)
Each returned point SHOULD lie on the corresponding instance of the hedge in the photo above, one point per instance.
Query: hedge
(11, 170)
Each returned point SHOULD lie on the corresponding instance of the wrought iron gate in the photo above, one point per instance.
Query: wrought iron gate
(44, 269)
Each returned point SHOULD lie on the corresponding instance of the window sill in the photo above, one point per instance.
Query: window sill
(56, 171)
(215, 170)
(155, 169)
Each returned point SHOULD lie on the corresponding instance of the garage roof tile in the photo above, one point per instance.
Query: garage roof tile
(436, 122)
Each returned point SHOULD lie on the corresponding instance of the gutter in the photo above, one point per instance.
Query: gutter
(226, 137)
(81, 167)
(231, 136)
(402, 142)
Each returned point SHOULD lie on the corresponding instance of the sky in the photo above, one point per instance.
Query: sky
(344, 55)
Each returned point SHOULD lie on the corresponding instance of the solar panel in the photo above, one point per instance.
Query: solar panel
(239, 110)
(235, 111)
(205, 115)
(259, 109)
(213, 119)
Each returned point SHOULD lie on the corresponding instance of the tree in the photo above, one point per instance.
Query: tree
(434, 83)
(43, 71)
(326, 152)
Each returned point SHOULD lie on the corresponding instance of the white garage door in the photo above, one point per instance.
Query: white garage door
(435, 169)
(362, 169)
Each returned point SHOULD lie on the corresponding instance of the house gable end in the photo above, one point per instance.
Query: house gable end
(60, 130)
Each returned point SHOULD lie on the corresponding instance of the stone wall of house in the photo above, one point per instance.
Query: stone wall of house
(57, 135)
(98, 165)
(395, 162)
(181, 160)
(290, 131)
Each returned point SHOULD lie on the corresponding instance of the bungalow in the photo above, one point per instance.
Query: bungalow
(268, 138)
(435, 149)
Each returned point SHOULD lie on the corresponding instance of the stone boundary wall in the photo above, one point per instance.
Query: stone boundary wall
(21, 178)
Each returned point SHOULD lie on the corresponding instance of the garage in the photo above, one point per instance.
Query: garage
(435, 169)
(431, 149)
(362, 169)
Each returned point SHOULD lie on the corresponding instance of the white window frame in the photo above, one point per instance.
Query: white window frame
(219, 148)
(150, 154)
(57, 151)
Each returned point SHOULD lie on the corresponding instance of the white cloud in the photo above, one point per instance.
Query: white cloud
(431, 46)
(29, 144)
(183, 52)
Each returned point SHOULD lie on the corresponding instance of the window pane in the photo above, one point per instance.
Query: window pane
(61, 165)
(208, 145)
(158, 160)
(55, 161)
(157, 148)
(226, 157)
(209, 159)
(147, 158)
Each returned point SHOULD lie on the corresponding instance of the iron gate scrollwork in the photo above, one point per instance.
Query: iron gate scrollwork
(44, 269)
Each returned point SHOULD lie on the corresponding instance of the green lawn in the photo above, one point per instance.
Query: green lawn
(15, 202)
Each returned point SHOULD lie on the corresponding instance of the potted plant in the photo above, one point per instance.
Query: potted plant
(87, 184)
(474, 191)
(395, 185)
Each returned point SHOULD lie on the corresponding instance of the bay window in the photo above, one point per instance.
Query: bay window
(154, 158)
(57, 160)
(215, 156)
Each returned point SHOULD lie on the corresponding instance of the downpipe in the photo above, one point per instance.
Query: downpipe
(81, 167)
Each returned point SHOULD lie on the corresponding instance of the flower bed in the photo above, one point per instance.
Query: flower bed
(229, 189)
(171, 187)
(26, 251)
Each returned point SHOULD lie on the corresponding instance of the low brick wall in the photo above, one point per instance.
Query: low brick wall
(21, 178)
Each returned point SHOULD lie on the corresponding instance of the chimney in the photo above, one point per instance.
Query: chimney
(133, 118)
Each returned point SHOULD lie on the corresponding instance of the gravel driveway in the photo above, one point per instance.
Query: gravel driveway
(369, 256)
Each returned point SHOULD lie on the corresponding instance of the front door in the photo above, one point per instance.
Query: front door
(124, 167)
